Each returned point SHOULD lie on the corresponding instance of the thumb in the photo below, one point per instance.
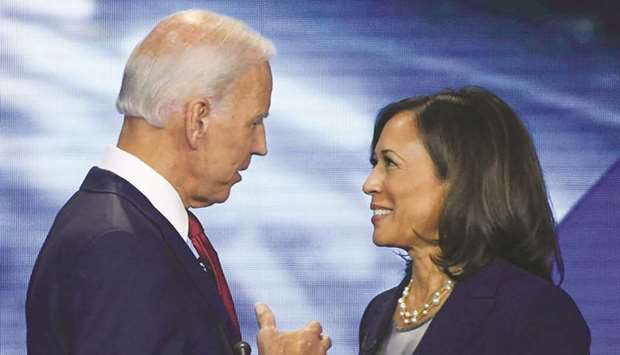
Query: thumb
(264, 316)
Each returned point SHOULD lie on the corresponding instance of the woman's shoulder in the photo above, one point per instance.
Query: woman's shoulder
(381, 305)
(384, 296)
(544, 315)
(509, 284)
(532, 303)
(380, 301)
(521, 286)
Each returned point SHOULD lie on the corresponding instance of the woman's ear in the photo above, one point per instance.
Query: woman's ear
(196, 121)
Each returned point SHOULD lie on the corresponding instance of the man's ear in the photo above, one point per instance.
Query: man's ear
(196, 120)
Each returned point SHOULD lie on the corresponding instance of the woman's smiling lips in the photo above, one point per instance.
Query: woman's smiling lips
(379, 213)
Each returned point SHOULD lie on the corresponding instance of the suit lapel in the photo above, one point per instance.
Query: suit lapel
(457, 324)
(202, 279)
(104, 181)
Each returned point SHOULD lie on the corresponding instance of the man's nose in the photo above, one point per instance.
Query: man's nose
(260, 143)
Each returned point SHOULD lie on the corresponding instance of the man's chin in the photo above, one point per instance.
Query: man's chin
(212, 200)
(222, 196)
(220, 199)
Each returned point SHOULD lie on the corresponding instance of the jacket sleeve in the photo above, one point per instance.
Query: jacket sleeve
(554, 325)
(121, 302)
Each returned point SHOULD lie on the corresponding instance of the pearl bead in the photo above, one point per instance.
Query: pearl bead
(409, 317)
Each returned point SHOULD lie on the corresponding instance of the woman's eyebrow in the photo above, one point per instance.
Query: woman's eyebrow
(387, 150)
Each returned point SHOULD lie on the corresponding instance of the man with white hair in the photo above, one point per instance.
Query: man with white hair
(126, 268)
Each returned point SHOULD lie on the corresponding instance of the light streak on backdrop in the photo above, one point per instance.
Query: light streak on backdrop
(296, 232)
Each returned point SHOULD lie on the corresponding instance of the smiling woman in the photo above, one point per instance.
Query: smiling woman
(457, 184)
(407, 194)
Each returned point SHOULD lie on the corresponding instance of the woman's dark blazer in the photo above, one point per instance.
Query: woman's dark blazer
(499, 310)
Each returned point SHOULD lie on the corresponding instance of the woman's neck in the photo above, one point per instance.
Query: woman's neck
(426, 275)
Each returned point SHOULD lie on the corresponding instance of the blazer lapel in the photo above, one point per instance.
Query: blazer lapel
(459, 321)
(105, 181)
(202, 279)
(377, 329)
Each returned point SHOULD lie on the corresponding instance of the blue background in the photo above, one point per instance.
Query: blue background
(296, 233)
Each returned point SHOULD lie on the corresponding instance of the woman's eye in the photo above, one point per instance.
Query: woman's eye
(389, 162)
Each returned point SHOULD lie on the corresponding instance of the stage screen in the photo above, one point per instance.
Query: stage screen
(296, 233)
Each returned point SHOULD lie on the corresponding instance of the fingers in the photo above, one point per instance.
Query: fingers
(326, 342)
(314, 327)
(264, 316)
(306, 341)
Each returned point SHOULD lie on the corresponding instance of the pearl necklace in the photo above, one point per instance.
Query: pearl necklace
(418, 315)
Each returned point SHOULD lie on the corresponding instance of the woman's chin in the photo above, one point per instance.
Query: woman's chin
(381, 241)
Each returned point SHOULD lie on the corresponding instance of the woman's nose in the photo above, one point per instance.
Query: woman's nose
(372, 183)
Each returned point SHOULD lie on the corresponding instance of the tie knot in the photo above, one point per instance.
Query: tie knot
(195, 228)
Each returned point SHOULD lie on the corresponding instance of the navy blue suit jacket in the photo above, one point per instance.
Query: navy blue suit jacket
(500, 310)
(115, 277)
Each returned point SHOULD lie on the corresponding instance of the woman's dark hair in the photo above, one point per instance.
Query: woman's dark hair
(496, 204)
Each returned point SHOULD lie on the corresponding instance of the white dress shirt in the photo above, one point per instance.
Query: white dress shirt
(155, 187)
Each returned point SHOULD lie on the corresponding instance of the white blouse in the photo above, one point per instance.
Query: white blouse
(402, 342)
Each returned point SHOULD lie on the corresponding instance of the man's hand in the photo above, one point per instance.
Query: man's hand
(306, 341)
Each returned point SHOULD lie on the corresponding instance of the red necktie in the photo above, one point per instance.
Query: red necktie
(208, 254)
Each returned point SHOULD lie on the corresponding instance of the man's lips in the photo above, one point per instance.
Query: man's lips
(238, 173)
(237, 178)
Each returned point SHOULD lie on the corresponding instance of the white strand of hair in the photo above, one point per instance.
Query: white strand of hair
(155, 86)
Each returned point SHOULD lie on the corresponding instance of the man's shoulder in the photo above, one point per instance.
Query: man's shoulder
(89, 215)
(94, 212)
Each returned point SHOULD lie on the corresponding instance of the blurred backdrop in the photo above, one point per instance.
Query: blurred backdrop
(296, 233)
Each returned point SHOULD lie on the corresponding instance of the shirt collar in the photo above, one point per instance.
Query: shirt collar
(151, 184)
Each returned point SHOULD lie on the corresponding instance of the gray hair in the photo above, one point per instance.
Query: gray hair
(190, 54)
